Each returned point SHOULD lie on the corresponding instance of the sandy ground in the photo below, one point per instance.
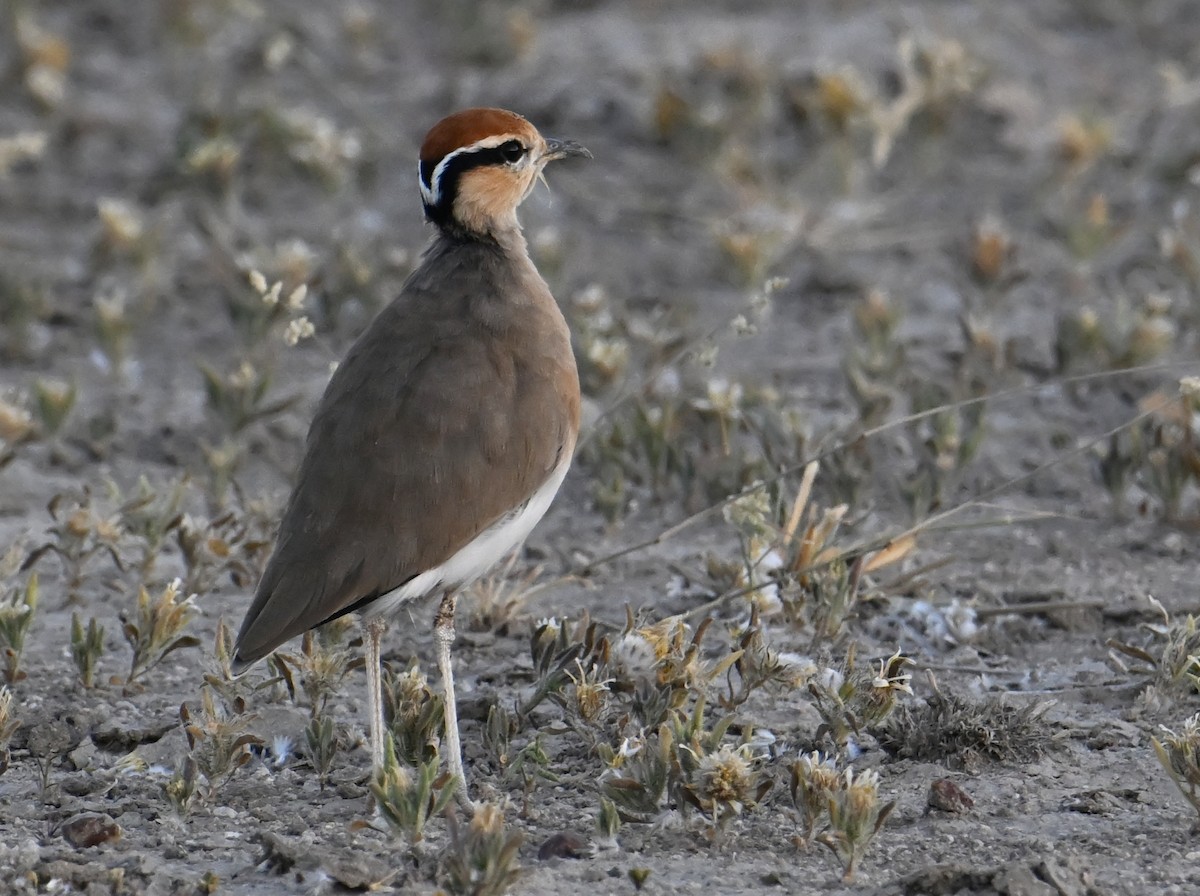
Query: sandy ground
(850, 148)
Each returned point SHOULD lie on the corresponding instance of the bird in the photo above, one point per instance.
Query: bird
(445, 433)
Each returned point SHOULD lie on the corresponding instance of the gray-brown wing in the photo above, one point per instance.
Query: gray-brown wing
(425, 436)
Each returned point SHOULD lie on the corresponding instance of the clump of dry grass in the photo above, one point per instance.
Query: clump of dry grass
(964, 732)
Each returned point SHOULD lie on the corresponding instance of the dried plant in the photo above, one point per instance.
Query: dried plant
(217, 738)
(608, 824)
(16, 426)
(855, 817)
(315, 143)
(9, 723)
(54, 400)
(408, 796)
(322, 666)
(180, 789)
(230, 544)
(724, 783)
(123, 230)
(1179, 755)
(413, 713)
(86, 648)
(1159, 454)
(47, 743)
(114, 328)
(874, 359)
(813, 780)
(588, 694)
(150, 515)
(991, 250)
(853, 699)
(689, 433)
(795, 567)
(759, 665)
(222, 461)
(484, 861)
(155, 631)
(79, 534)
(639, 775)
(496, 599)
(17, 611)
(1117, 336)
(1171, 659)
(239, 398)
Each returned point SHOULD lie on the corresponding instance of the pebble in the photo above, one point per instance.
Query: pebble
(88, 829)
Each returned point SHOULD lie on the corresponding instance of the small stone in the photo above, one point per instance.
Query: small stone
(947, 796)
(88, 829)
(563, 845)
(83, 756)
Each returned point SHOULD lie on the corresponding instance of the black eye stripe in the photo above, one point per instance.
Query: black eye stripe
(427, 168)
(454, 168)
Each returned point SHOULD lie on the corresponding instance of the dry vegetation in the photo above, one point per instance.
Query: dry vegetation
(882, 532)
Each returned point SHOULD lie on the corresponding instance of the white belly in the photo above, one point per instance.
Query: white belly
(478, 555)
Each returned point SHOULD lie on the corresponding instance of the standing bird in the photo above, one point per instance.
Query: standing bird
(445, 433)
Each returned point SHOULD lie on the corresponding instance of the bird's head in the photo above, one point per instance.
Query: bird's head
(479, 164)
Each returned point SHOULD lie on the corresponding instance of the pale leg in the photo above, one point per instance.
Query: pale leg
(443, 636)
(375, 629)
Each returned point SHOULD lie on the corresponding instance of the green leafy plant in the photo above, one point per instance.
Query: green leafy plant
(321, 737)
(54, 400)
(408, 796)
(239, 397)
(87, 645)
(17, 612)
(149, 516)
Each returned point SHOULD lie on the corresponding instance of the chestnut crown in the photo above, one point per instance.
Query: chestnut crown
(478, 165)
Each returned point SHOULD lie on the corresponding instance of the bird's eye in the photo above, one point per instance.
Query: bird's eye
(512, 151)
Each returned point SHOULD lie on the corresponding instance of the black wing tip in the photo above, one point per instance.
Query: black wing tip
(239, 666)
